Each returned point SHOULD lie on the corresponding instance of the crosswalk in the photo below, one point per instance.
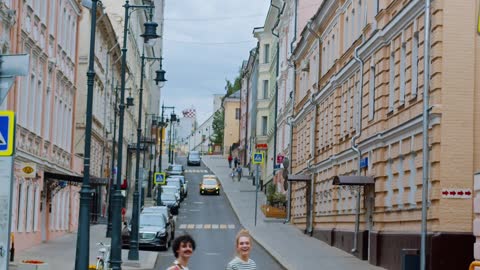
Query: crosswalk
(196, 171)
(207, 226)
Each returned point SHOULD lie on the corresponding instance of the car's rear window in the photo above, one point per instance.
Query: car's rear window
(209, 181)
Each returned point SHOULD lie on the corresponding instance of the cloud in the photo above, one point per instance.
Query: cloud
(196, 68)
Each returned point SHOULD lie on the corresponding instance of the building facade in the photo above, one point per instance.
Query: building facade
(231, 105)
(374, 104)
(45, 202)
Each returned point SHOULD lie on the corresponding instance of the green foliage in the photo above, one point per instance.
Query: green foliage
(218, 126)
(275, 198)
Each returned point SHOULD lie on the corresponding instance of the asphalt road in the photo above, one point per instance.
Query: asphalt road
(210, 220)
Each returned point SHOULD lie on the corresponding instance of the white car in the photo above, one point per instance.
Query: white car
(183, 181)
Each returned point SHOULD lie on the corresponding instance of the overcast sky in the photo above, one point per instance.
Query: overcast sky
(205, 43)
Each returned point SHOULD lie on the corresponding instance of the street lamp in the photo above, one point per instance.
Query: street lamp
(83, 235)
(162, 123)
(150, 33)
(116, 250)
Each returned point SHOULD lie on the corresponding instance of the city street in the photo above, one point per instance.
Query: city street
(211, 221)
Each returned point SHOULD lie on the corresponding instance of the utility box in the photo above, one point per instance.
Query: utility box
(410, 259)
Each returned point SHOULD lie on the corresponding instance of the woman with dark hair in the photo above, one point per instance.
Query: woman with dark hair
(243, 246)
(183, 247)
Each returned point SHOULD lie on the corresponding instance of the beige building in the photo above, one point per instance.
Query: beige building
(377, 107)
(231, 105)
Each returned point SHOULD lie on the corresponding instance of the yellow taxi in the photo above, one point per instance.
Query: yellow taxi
(209, 185)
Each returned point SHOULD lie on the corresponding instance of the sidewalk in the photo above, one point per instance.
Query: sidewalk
(286, 243)
(60, 253)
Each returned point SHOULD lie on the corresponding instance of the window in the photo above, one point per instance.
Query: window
(371, 94)
(51, 17)
(266, 53)
(237, 113)
(265, 89)
(403, 57)
(21, 208)
(264, 125)
(415, 61)
(345, 35)
(391, 96)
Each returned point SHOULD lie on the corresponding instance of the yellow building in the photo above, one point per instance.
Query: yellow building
(375, 103)
(231, 105)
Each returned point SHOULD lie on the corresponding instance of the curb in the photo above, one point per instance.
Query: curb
(277, 257)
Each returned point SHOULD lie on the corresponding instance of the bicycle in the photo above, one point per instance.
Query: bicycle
(103, 256)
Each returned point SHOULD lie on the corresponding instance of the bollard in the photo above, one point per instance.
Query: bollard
(12, 249)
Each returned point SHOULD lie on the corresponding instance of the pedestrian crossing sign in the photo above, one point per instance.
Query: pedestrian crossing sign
(159, 178)
(7, 131)
(257, 158)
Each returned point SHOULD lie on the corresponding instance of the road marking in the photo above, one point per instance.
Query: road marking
(194, 210)
(198, 202)
(207, 226)
(212, 253)
(182, 226)
(231, 226)
(196, 171)
(199, 226)
(223, 226)
(191, 226)
(214, 226)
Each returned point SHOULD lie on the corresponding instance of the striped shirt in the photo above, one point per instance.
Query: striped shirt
(239, 264)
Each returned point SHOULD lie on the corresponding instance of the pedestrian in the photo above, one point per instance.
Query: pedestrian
(239, 172)
(183, 247)
(243, 247)
(232, 174)
(236, 161)
(229, 161)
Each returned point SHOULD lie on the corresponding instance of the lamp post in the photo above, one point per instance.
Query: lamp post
(116, 250)
(112, 183)
(149, 182)
(83, 236)
(133, 251)
(162, 123)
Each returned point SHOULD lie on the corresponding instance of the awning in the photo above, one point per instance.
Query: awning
(349, 180)
(299, 177)
(74, 178)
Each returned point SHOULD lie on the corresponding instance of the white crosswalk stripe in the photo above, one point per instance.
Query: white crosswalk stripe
(206, 226)
(196, 171)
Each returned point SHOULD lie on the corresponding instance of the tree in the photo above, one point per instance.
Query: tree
(218, 126)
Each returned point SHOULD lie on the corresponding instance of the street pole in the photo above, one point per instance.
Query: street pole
(116, 245)
(133, 251)
(256, 190)
(170, 143)
(83, 235)
(112, 180)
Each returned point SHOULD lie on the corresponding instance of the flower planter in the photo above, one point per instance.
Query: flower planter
(32, 265)
(273, 212)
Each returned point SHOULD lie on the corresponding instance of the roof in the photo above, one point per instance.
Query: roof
(353, 180)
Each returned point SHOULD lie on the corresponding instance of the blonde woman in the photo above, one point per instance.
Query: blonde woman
(243, 246)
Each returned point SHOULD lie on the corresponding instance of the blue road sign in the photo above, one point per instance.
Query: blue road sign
(159, 178)
(7, 131)
(257, 158)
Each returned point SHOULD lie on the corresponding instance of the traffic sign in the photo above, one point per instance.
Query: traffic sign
(257, 158)
(159, 178)
(7, 131)
(262, 146)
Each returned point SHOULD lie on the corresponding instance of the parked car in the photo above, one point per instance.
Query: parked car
(194, 158)
(175, 169)
(173, 181)
(209, 185)
(169, 200)
(183, 181)
(165, 212)
(171, 189)
(154, 231)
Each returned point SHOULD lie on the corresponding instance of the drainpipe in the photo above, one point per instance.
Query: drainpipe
(276, 86)
(426, 147)
(290, 119)
(355, 146)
